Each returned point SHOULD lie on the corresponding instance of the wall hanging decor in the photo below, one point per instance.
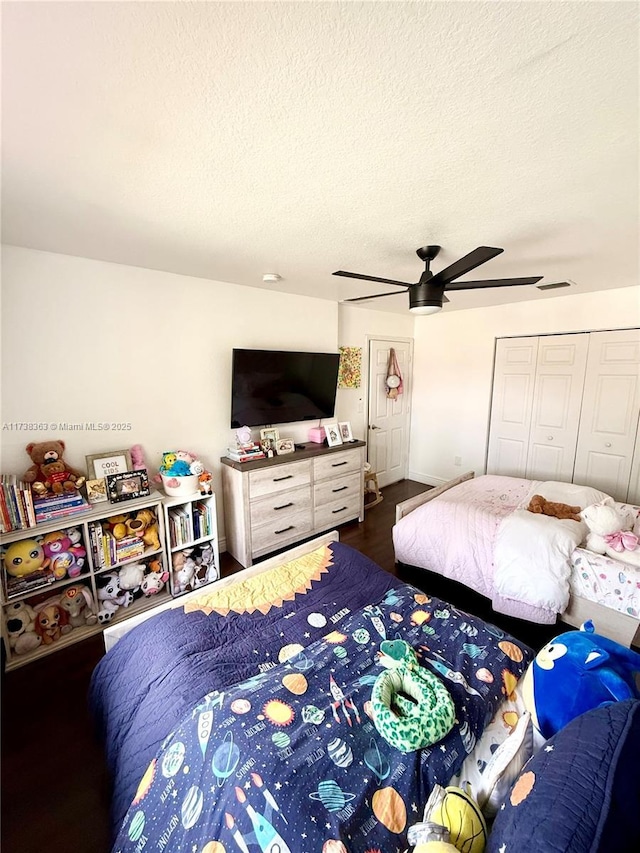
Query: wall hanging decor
(350, 368)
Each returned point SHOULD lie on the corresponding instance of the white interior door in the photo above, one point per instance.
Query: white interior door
(388, 439)
(511, 404)
(557, 398)
(610, 410)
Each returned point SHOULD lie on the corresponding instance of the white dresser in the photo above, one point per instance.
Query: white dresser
(273, 503)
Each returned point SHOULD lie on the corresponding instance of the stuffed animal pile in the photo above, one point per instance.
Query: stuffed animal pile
(193, 567)
(614, 530)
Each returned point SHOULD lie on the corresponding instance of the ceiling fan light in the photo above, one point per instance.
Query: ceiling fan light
(425, 309)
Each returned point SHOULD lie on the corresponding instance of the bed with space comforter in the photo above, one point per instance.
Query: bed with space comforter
(241, 720)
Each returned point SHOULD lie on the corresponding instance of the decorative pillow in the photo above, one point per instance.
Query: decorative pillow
(504, 766)
(570, 493)
(581, 792)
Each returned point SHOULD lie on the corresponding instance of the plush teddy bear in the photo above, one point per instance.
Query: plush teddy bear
(539, 504)
(49, 473)
(607, 534)
(21, 627)
(78, 604)
(111, 596)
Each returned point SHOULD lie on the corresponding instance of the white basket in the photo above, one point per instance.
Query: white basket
(186, 486)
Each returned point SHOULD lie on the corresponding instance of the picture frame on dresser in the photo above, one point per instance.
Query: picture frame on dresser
(111, 462)
(333, 435)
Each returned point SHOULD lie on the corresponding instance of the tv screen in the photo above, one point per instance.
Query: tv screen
(277, 387)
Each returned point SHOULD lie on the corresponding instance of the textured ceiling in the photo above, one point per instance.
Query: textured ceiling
(228, 140)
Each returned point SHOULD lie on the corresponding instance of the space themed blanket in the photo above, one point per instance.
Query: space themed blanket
(289, 759)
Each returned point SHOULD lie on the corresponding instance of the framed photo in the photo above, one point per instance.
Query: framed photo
(127, 486)
(345, 431)
(97, 490)
(269, 433)
(334, 437)
(284, 445)
(102, 464)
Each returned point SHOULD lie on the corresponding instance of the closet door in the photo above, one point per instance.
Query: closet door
(633, 495)
(610, 410)
(556, 407)
(511, 404)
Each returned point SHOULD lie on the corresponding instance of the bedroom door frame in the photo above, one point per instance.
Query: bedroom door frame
(373, 398)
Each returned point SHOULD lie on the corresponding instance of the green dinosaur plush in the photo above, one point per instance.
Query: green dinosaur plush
(411, 707)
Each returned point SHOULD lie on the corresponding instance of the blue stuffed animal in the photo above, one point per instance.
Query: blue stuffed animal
(576, 672)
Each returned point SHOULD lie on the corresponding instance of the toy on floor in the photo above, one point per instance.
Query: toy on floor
(411, 707)
(538, 504)
(452, 821)
(608, 533)
(576, 672)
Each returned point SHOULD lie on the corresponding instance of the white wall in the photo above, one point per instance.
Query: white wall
(453, 367)
(355, 326)
(88, 341)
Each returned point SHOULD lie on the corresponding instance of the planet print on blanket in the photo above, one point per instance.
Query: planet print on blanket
(331, 795)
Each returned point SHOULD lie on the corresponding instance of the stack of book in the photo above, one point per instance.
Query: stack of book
(59, 506)
(201, 521)
(108, 551)
(180, 526)
(245, 452)
(16, 504)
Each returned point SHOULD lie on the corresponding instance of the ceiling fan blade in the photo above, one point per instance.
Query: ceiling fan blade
(464, 265)
(372, 278)
(373, 296)
(444, 298)
(495, 282)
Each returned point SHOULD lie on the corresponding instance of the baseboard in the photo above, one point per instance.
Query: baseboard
(427, 479)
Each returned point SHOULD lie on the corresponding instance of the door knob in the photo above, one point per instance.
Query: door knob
(373, 426)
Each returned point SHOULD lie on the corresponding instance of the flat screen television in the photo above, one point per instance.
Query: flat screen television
(278, 387)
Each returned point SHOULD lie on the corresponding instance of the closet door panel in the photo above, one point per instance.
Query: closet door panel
(512, 397)
(556, 406)
(610, 412)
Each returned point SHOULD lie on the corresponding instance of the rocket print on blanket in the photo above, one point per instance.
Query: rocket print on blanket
(291, 761)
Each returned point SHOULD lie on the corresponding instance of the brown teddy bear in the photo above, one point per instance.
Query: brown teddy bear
(556, 510)
(49, 473)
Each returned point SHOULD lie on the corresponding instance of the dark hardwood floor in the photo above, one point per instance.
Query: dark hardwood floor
(55, 788)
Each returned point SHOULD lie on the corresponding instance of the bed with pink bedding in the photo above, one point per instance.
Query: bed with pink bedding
(476, 531)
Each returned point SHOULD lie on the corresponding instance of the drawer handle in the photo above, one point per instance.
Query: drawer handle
(278, 479)
(342, 509)
(284, 530)
(341, 489)
(338, 464)
(284, 506)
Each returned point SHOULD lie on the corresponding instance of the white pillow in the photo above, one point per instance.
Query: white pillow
(504, 767)
(570, 493)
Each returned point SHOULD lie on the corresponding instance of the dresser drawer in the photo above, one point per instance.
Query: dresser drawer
(277, 478)
(289, 528)
(275, 509)
(337, 512)
(336, 464)
(341, 489)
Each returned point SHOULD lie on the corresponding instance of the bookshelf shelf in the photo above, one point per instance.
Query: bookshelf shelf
(192, 541)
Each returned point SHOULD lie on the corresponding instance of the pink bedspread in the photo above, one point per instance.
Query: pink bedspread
(454, 535)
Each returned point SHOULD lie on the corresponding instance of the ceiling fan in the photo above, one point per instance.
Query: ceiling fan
(427, 295)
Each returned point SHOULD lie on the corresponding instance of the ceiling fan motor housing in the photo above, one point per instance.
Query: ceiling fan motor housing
(424, 293)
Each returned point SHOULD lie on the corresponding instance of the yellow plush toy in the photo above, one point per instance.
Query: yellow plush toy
(452, 822)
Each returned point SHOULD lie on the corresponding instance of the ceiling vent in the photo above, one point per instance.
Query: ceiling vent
(555, 285)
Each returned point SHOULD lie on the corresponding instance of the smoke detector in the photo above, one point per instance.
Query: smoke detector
(271, 277)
